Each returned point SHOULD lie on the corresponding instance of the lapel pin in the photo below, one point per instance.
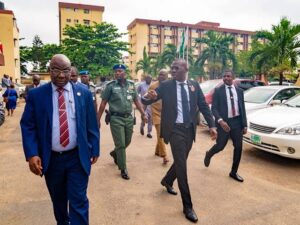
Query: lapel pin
(78, 94)
(192, 88)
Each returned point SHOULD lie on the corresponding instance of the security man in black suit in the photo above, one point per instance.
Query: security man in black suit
(228, 108)
(181, 99)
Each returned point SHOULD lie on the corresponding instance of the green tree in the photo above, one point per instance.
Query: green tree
(169, 54)
(282, 46)
(95, 48)
(260, 59)
(145, 63)
(37, 55)
(217, 52)
(195, 70)
(244, 67)
(157, 63)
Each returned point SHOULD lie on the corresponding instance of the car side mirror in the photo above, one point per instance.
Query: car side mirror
(275, 102)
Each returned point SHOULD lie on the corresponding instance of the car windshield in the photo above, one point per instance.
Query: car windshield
(207, 86)
(258, 95)
(293, 102)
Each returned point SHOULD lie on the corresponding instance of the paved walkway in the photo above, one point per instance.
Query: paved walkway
(270, 194)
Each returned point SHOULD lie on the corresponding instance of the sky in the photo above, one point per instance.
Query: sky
(40, 17)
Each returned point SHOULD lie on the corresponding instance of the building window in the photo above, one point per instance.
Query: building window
(76, 21)
(68, 20)
(153, 27)
(68, 9)
(86, 22)
(86, 11)
(168, 28)
(153, 36)
(153, 45)
(15, 42)
(168, 37)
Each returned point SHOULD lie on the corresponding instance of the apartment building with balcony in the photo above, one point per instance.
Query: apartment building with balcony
(72, 14)
(156, 34)
(9, 44)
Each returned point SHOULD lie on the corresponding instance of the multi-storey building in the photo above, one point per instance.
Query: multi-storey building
(156, 34)
(72, 14)
(9, 41)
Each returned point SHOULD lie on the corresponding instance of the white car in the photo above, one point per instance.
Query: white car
(20, 88)
(266, 96)
(276, 129)
(274, 83)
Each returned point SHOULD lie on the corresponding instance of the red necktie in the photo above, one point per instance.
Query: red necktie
(63, 119)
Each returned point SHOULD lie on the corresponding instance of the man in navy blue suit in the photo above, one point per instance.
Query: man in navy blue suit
(61, 141)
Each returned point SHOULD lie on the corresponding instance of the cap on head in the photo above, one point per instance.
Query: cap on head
(119, 66)
(84, 72)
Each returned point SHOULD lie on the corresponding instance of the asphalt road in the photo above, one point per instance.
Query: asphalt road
(270, 194)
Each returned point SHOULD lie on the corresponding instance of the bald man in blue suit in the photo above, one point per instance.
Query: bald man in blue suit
(63, 153)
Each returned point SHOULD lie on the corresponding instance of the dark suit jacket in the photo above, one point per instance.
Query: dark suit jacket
(167, 91)
(36, 125)
(27, 89)
(219, 105)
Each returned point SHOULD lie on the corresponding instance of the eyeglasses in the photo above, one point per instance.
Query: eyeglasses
(58, 72)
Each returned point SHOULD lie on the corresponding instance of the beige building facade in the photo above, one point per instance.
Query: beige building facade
(156, 34)
(9, 41)
(72, 14)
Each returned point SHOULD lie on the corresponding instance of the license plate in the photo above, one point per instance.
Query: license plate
(256, 139)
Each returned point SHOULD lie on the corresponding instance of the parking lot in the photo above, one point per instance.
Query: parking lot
(270, 194)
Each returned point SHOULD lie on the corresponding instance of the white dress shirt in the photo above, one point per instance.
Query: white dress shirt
(179, 118)
(235, 100)
(71, 115)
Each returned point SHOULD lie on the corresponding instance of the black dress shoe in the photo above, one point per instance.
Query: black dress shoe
(113, 154)
(190, 214)
(149, 136)
(124, 174)
(236, 177)
(142, 131)
(207, 160)
(169, 188)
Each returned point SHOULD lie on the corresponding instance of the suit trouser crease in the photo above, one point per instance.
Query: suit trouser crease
(121, 130)
(160, 149)
(181, 143)
(236, 135)
(67, 183)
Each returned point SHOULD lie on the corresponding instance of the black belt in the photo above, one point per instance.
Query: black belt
(183, 125)
(124, 115)
(65, 152)
(234, 118)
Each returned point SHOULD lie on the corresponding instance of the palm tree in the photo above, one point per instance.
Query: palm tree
(216, 53)
(157, 64)
(282, 45)
(260, 58)
(144, 64)
(169, 54)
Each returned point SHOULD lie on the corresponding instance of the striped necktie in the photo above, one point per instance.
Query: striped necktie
(63, 119)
